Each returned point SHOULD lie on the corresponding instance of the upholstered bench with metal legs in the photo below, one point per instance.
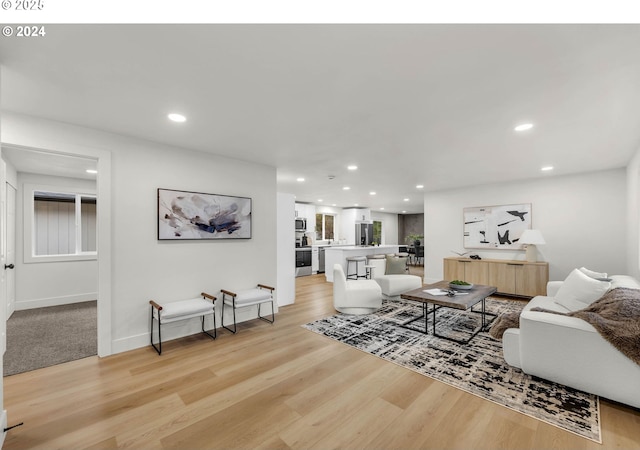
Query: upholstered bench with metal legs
(181, 310)
(241, 299)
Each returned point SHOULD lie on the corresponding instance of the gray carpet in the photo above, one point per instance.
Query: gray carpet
(477, 368)
(44, 337)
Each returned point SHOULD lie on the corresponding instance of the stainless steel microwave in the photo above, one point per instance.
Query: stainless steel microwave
(301, 224)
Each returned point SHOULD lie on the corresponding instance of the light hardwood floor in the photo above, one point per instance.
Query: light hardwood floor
(271, 386)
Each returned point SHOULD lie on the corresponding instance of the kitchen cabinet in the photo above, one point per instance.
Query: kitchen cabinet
(350, 217)
(363, 215)
(307, 212)
(519, 278)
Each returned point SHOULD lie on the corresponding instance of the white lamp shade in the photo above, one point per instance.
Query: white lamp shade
(531, 237)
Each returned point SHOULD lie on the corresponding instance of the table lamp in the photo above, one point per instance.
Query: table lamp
(531, 238)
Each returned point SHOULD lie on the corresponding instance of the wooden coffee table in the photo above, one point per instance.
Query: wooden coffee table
(473, 296)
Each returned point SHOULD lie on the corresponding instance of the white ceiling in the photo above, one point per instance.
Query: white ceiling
(409, 104)
(34, 161)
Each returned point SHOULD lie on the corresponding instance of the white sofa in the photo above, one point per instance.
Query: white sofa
(355, 296)
(392, 285)
(570, 351)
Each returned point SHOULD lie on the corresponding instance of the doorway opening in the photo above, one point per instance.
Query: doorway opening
(57, 259)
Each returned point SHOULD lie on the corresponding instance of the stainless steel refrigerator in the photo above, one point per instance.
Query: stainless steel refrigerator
(364, 233)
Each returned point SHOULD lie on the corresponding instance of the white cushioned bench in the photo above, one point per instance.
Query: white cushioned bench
(182, 310)
(249, 297)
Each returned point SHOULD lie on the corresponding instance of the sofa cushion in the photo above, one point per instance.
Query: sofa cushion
(624, 281)
(579, 290)
(592, 274)
(396, 266)
(184, 309)
(394, 285)
(250, 297)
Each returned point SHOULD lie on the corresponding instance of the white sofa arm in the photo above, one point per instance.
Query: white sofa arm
(511, 347)
(570, 351)
(553, 287)
(536, 319)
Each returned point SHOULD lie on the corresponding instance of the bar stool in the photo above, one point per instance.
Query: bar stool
(357, 260)
(371, 266)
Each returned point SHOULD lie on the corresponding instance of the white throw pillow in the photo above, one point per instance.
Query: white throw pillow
(592, 274)
(579, 290)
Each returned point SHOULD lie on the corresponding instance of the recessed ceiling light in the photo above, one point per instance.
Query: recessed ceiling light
(93, 171)
(419, 186)
(381, 209)
(523, 127)
(403, 212)
(352, 167)
(546, 168)
(333, 204)
(300, 179)
(320, 200)
(355, 204)
(346, 188)
(372, 193)
(406, 200)
(177, 117)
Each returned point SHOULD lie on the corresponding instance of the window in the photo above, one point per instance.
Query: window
(61, 223)
(377, 232)
(325, 224)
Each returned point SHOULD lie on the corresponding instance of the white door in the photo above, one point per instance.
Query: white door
(11, 250)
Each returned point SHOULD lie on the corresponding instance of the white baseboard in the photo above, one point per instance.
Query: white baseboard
(182, 328)
(55, 301)
(170, 331)
(129, 343)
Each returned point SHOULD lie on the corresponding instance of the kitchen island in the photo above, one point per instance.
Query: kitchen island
(339, 255)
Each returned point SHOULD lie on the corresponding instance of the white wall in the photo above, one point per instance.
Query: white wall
(286, 249)
(389, 226)
(633, 218)
(143, 268)
(582, 218)
(41, 284)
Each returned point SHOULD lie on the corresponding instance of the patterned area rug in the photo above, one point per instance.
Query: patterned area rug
(477, 368)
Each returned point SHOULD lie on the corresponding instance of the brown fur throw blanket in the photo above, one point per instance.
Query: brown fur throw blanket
(616, 316)
(504, 321)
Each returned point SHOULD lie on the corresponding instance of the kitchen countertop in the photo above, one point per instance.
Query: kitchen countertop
(362, 247)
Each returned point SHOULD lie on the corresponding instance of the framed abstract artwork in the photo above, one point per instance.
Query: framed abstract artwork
(184, 215)
(497, 227)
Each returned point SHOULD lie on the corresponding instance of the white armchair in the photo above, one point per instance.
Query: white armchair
(392, 285)
(354, 296)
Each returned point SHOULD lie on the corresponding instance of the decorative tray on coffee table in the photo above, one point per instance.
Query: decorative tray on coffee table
(457, 284)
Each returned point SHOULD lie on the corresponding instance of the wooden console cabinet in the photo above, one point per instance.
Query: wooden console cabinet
(519, 278)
